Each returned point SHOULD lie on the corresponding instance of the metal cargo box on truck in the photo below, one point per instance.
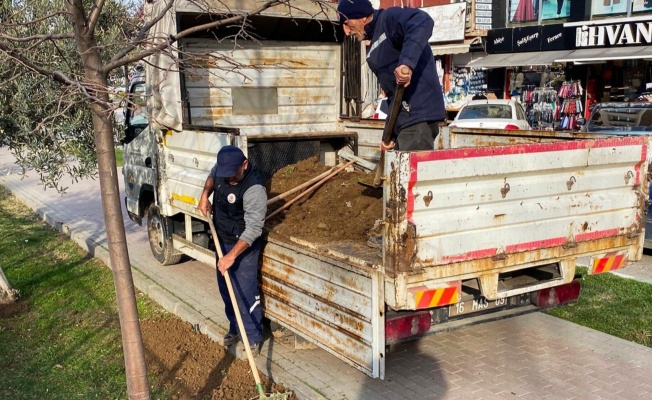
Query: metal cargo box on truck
(505, 222)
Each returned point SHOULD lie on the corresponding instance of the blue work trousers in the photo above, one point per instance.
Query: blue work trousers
(244, 278)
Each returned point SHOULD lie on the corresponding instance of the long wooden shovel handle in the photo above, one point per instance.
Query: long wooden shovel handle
(389, 129)
(309, 190)
(296, 189)
(236, 310)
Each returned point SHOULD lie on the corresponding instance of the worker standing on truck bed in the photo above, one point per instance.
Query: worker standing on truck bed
(240, 205)
(399, 38)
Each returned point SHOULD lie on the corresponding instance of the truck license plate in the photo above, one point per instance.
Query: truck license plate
(475, 305)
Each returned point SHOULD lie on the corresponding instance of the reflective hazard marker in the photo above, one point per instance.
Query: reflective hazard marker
(428, 298)
(609, 262)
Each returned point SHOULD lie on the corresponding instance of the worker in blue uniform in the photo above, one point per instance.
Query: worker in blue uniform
(399, 38)
(239, 207)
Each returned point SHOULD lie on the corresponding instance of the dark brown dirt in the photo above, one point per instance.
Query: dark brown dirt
(341, 209)
(12, 309)
(191, 366)
(187, 363)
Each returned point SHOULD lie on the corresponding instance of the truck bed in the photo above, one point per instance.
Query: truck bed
(503, 220)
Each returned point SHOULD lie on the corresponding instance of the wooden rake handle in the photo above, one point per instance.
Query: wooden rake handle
(236, 309)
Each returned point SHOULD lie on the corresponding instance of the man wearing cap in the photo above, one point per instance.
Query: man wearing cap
(239, 208)
(399, 38)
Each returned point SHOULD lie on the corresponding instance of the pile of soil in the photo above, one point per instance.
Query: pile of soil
(193, 367)
(340, 210)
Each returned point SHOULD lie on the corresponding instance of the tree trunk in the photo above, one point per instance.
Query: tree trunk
(7, 294)
(136, 369)
(132, 343)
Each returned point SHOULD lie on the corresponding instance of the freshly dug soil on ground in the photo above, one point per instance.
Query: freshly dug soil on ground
(191, 366)
(187, 363)
(341, 209)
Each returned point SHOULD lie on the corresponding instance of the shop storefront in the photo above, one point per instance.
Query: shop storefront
(617, 55)
(558, 70)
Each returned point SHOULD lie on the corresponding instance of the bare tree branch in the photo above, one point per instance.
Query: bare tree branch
(170, 39)
(142, 34)
(96, 11)
(40, 38)
(37, 20)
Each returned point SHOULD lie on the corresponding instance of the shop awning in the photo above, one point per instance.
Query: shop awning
(589, 56)
(441, 49)
(518, 59)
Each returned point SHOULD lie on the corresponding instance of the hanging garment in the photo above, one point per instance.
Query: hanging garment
(524, 11)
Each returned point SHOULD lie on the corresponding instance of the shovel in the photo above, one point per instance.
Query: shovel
(389, 128)
(243, 333)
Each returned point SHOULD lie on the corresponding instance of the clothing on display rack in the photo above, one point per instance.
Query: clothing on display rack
(541, 106)
(571, 108)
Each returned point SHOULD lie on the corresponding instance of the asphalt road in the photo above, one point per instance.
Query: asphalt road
(532, 356)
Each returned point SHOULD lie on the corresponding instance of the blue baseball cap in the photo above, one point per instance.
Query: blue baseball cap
(229, 159)
(354, 9)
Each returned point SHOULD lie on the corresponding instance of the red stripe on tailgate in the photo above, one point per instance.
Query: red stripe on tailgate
(582, 237)
(535, 244)
(472, 255)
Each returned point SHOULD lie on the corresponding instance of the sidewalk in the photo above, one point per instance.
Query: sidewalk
(531, 356)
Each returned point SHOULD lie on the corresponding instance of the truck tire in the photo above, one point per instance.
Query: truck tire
(160, 242)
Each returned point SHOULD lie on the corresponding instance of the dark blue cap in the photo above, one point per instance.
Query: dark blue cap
(229, 159)
(354, 9)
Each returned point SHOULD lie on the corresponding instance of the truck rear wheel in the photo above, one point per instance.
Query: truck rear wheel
(159, 240)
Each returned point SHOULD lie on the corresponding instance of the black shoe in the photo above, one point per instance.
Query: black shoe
(375, 242)
(231, 339)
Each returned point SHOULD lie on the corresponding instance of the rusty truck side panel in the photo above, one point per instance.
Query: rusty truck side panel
(477, 212)
(336, 305)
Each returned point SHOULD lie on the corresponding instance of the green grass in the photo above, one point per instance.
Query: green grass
(118, 157)
(614, 305)
(64, 342)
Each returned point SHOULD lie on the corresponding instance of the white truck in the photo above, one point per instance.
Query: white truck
(488, 225)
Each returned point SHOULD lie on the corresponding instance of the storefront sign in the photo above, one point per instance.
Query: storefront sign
(616, 34)
(500, 40)
(552, 37)
(449, 22)
(483, 14)
(527, 39)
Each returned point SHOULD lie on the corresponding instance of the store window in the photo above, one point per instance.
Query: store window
(555, 9)
(539, 10)
(620, 7)
(523, 11)
(608, 7)
(642, 6)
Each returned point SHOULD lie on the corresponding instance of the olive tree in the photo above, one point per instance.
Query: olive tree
(57, 58)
